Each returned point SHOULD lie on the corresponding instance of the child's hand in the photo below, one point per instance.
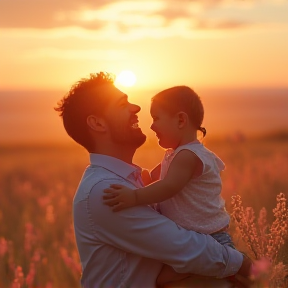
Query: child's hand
(146, 178)
(119, 197)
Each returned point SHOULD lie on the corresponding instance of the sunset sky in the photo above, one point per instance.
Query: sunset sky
(209, 43)
(239, 45)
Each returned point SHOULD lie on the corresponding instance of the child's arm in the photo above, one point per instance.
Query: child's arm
(181, 170)
(146, 177)
(155, 173)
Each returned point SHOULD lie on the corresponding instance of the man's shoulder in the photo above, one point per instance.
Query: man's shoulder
(98, 173)
(97, 178)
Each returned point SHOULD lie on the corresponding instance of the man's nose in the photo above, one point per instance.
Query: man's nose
(134, 108)
(152, 127)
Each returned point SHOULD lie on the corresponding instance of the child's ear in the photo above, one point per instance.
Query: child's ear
(182, 119)
(96, 123)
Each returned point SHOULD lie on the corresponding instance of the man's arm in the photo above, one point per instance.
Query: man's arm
(142, 231)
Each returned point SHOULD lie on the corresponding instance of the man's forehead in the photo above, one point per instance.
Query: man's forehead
(109, 93)
(118, 97)
(113, 97)
(113, 92)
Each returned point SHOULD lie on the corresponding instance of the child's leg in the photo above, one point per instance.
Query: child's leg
(223, 238)
(167, 275)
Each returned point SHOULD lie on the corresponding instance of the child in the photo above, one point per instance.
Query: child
(189, 188)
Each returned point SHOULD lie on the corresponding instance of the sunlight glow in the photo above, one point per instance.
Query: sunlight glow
(126, 78)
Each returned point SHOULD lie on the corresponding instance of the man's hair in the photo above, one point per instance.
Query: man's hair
(84, 98)
(182, 98)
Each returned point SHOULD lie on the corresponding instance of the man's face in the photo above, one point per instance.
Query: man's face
(123, 121)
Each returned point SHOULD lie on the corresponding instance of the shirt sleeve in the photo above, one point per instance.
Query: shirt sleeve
(143, 231)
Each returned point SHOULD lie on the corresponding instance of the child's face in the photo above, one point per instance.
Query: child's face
(165, 126)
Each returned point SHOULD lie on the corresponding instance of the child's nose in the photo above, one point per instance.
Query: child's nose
(152, 127)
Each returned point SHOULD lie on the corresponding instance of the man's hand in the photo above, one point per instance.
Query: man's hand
(119, 197)
(243, 277)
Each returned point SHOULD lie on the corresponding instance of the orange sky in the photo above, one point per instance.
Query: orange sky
(207, 43)
(28, 116)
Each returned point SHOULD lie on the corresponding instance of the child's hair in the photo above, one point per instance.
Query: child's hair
(185, 99)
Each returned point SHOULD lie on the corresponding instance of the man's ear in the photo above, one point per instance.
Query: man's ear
(182, 119)
(96, 123)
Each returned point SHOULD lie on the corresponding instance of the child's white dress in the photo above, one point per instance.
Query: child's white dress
(199, 205)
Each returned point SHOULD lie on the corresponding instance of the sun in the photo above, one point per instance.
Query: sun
(126, 78)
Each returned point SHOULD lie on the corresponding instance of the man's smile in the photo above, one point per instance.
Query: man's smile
(134, 123)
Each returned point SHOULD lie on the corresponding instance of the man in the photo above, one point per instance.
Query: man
(127, 248)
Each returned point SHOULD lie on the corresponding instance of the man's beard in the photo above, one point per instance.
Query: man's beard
(127, 136)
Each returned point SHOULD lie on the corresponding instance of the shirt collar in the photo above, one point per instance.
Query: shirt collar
(114, 165)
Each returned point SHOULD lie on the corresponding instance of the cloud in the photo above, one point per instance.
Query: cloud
(94, 15)
(81, 54)
(120, 19)
(42, 13)
(222, 24)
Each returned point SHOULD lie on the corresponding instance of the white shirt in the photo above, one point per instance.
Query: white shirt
(127, 248)
(199, 205)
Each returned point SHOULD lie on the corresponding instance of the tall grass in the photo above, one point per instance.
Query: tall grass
(37, 184)
(264, 240)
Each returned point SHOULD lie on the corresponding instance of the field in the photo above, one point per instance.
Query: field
(37, 185)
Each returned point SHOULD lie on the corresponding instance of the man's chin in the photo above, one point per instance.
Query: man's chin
(133, 138)
(139, 139)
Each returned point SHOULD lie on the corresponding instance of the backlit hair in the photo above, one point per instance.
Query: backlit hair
(85, 97)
